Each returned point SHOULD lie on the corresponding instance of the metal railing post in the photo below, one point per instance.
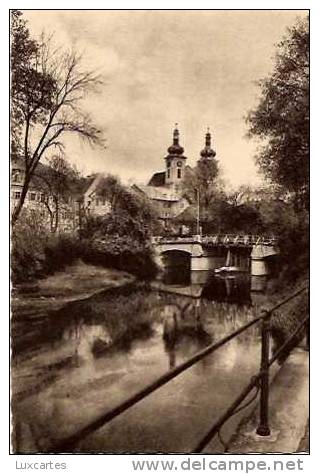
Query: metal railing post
(263, 428)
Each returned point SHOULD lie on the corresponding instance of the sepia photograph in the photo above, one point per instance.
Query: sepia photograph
(159, 229)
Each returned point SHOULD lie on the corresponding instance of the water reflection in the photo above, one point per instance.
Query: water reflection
(92, 354)
(177, 267)
(89, 339)
(183, 330)
(231, 289)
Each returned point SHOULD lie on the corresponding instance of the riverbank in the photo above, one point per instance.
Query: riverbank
(75, 282)
(286, 319)
(34, 305)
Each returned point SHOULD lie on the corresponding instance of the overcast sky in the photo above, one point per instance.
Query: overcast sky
(196, 68)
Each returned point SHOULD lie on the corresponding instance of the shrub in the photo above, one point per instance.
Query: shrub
(61, 250)
(27, 251)
(36, 253)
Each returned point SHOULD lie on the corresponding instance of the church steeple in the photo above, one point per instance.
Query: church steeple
(175, 162)
(208, 152)
(175, 149)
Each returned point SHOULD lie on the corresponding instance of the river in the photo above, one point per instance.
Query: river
(87, 356)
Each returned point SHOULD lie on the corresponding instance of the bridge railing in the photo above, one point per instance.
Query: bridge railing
(259, 382)
(239, 239)
(177, 238)
(219, 239)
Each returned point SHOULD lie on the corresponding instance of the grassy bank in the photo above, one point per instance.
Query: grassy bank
(35, 256)
(286, 319)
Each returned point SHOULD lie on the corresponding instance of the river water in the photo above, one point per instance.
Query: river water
(83, 359)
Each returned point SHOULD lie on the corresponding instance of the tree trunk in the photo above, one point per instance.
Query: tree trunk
(18, 208)
(56, 220)
(51, 221)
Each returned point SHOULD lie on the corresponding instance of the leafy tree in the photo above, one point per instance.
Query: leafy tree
(128, 225)
(281, 119)
(203, 180)
(202, 186)
(122, 237)
(48, 87)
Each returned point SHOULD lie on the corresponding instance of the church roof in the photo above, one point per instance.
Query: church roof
(158, 193)
(188, 214)
(158, 179)
(175, 150)
(208, 152)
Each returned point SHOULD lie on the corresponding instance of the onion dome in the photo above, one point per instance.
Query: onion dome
(208, 152)
(175, 149)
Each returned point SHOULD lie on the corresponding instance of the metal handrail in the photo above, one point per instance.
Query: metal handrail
(70, 442)
(255, 380)
(261, 379)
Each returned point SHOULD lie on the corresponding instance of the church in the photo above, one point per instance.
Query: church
(165, 188)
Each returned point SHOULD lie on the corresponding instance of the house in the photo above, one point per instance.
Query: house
(58, 213)
(92, 202)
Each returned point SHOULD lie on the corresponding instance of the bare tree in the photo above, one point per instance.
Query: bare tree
(57, 181)
(48, 99)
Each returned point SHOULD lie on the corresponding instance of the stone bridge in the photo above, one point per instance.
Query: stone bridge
(208, 251)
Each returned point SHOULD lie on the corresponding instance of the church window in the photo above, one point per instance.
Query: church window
(168, 173)
(179, 173)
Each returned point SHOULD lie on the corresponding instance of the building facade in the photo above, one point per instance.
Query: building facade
(58, 213)
(165, 188)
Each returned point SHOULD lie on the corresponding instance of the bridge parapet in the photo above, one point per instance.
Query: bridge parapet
(248, 240)
(238, 239)
(201, 248)
(161, 240)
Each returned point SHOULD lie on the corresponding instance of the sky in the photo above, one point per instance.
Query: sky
(196, 68)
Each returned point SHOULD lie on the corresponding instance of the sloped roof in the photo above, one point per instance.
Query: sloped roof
(78, 187)
(188, 214)
(158, 179)
(158, 193)
(81, 186)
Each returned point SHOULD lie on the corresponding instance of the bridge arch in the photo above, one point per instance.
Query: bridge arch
(193, 249)
(177, 251)
(176, 257)
(176, 264)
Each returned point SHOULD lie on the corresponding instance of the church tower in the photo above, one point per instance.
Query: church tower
(175, 163)
(207, 154)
